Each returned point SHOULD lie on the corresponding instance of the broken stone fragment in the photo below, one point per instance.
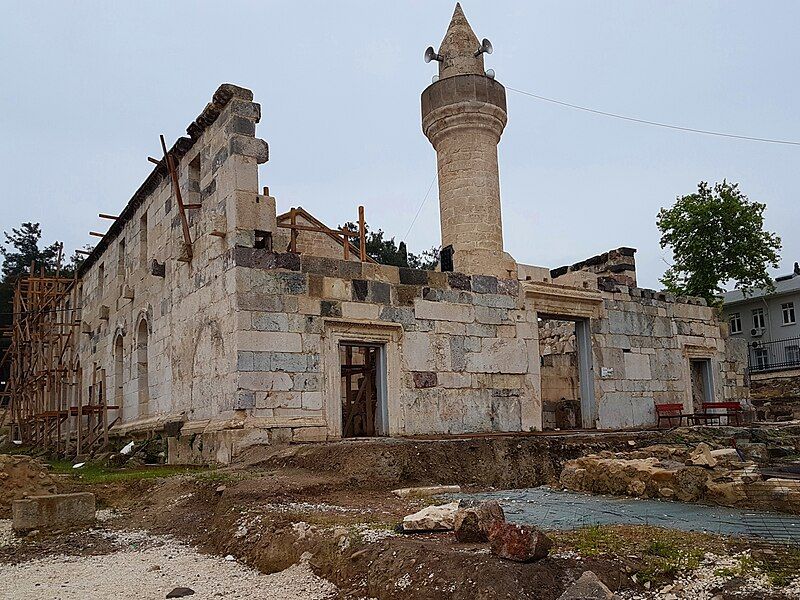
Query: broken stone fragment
(432, 518)
(180, 592)
(473, 521)
(701, 456)
(588, 587)
(521, 543)
(431, 490)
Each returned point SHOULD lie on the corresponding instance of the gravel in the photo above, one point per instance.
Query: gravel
(150, 567)
(7, 537)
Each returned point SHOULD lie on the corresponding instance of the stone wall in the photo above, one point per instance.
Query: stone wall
(463, 349)
(140, 296)
(613, 267)
(642, 345)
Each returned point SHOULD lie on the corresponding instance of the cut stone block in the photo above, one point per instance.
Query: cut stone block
(54, 511)
(431, 490)
(432, 518)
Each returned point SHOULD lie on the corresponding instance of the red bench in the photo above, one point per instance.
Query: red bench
(667, 411)
(732, 410)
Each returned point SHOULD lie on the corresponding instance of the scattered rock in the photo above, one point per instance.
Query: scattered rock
(521, 543)
(180, 592)
(472, 522)
(727, 457)
(636, 487)
(754, 451)
(701, 456)
(431, 490)
(432, 518)
(588, 587)
(666, 492)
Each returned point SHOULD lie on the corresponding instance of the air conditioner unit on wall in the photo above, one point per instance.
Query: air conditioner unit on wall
(756, 332)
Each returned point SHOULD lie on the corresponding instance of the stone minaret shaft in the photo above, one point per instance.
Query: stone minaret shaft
(463, 116)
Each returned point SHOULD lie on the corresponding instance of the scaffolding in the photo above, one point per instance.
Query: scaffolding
(51, 409)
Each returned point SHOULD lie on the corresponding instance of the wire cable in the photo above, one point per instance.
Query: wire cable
(654, 123)
(422, 204)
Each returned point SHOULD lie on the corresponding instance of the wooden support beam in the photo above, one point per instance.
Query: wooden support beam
(187, 238)
(105, 216)
(345, 243)
(97, 234)
(155, 161)
(362, 235)
(293, 234)
(85, 252)
(296, 227)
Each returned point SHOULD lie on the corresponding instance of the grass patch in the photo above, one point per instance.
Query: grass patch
(661, 553)
(96, 474)
(780, 566)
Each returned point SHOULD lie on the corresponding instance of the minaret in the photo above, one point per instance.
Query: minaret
(463, 116)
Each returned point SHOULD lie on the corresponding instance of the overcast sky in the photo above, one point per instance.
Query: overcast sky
(86, 87)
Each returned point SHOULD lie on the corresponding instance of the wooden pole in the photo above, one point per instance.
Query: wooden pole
(293, 235)
(345, 243)
(362, 235)
(187, 238)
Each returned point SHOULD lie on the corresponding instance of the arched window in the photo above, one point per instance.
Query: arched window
(141, 359)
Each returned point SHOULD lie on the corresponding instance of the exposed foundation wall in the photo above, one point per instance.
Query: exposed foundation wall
(461, 352)
(776, 395)
(176, 320)
(642, 347)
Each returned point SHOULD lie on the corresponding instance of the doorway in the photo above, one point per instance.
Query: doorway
(567, 374)
(362, 389)
(702, 384)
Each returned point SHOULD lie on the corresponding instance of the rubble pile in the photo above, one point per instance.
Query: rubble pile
(481, 522)
(22, 476)
(725, 476)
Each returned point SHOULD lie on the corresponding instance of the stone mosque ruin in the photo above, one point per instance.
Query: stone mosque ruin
(206, 315)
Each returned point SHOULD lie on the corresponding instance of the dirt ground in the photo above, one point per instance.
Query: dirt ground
(329, 508)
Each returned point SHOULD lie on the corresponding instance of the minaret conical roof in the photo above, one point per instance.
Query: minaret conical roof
(458, 48)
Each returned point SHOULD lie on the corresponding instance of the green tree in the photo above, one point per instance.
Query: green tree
(22, 248)
(717, 235)
(388, 252)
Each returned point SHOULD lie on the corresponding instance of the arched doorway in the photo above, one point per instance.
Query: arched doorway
(141, 359)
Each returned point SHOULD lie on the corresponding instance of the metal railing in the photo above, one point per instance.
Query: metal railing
(778, 355)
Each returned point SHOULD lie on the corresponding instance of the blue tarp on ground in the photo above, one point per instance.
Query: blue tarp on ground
(552, 509)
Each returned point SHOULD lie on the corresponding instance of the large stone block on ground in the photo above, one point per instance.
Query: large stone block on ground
(472, 522)
(52, 512)
(430, 490)
(432, 518)
(521, 543)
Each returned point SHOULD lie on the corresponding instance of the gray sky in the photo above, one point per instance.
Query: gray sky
(87, 87)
